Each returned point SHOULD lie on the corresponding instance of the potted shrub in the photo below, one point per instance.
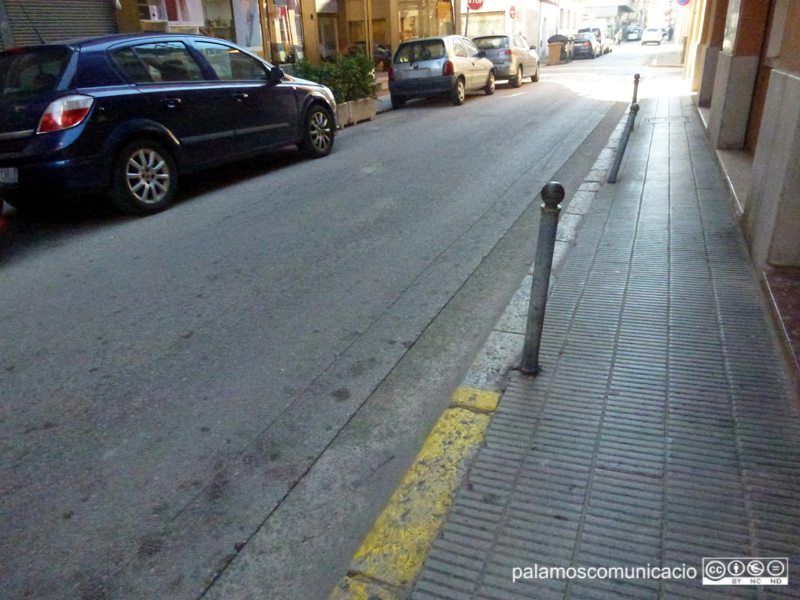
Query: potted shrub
(351, 78)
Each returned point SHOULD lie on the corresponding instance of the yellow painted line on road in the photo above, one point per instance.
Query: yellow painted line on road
(475, 399)
(351, 588)
(394, 551)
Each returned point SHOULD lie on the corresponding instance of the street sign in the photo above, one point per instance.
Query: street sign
(475, 4)
(512, 12)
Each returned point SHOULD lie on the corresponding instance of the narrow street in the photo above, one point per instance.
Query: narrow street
(243, 378)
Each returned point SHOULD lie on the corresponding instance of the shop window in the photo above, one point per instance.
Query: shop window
(236, 21)
(219, 19)
(328, 36)
(247, 25)
(332, 28)
(287, 47)
(424, 18)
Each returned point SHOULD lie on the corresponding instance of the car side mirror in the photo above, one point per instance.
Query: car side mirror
(276, 74)
(481, 53)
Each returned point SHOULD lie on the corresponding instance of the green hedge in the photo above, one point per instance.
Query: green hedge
(350, 76)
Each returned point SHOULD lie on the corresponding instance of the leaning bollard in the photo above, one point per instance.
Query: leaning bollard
(552, 195)
(623, 143)
(612, 174)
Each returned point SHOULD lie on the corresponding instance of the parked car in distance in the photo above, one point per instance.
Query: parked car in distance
(634, 34)
(586, 44)
(652, 35)
(439, 66)
(129, 114)
(605, 42)
(513, 58)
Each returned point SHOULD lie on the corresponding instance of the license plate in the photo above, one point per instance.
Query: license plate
(9, 175)
(418, 73)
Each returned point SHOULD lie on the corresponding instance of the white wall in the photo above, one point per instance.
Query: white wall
(530, 15)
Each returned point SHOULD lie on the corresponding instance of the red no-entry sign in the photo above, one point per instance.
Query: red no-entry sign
(475, 4)
(512, 12)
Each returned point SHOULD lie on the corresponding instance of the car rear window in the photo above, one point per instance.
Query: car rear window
(584, 36)
(490, 43)
(420, 51)
(32, 71)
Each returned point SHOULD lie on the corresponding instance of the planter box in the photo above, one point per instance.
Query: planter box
(350, 113)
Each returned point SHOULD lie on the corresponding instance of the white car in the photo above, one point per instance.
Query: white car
(652, 35)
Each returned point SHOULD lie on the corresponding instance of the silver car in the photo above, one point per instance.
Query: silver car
(439, 66)
(513, 58)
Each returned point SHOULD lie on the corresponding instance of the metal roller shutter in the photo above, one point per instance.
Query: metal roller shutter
(57, 20)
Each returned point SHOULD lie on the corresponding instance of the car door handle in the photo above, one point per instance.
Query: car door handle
(171, 102)
(239, 96)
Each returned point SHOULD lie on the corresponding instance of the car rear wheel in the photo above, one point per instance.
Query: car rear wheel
(398, 102)
(317, 133)
(458, 93)
(517, 79)
(145, 178)
(489, 87)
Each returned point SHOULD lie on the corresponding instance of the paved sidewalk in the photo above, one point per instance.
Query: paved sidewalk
(662, 428)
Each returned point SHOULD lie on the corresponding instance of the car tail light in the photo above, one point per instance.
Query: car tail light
(64, 113)
(449, 68)
(506, 53)
(391, 74)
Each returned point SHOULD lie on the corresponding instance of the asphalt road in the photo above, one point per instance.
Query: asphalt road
(216, 401)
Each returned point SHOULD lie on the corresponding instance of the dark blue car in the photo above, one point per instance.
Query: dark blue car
(128, 114)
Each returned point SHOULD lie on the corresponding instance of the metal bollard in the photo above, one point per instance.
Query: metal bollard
(623, 143)
(552, 195)
(612, 174)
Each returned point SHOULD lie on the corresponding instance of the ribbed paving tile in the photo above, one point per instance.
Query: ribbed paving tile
(661, 429)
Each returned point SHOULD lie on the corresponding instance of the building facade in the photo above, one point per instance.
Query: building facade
(744, 63)
(537, 20)
(285, 31)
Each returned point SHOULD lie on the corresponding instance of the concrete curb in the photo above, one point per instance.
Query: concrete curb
(502, 352)
(389, 560)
